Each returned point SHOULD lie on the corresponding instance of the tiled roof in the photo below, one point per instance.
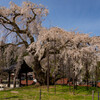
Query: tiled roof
(62, 81)
(30, 82)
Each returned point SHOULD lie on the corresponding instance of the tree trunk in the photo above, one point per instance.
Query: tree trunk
(39, 74)
(18, 67)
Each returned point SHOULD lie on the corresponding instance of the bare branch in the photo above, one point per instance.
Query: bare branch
(7, 28)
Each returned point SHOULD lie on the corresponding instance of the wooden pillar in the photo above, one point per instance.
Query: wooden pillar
(63, 74)
(20, 80)
(14, 82)
(48, 73)
(9, 79)
(87, 75)
(55, 65)
(26, 79)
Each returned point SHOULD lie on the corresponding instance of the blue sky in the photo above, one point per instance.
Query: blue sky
(83, 15)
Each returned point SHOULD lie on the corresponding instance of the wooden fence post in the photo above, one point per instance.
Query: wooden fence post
(40, 94)
(98, 95)
(92, 94)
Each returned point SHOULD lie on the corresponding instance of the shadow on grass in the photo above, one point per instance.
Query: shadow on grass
(12, 97)
(84, 89)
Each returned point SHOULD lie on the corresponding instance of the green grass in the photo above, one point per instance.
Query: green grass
(62, 93)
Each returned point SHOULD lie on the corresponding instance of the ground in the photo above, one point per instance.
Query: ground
(62, 93)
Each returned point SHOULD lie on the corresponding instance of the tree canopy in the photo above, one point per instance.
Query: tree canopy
(62, 49)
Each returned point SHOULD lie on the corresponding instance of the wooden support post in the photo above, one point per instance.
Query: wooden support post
(63, 75)
(96, 78)
(92, 80)
(26, 79)
(20, 80)
(69, 77)
(14, 82)
(55, 66)
(73, 85)
(87, 75)
(74, 81)
(48, 72)
(9, 79)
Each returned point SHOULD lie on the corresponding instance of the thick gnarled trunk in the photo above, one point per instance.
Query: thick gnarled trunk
(40, 75)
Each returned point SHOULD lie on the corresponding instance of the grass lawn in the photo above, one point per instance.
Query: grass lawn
(62, 93)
